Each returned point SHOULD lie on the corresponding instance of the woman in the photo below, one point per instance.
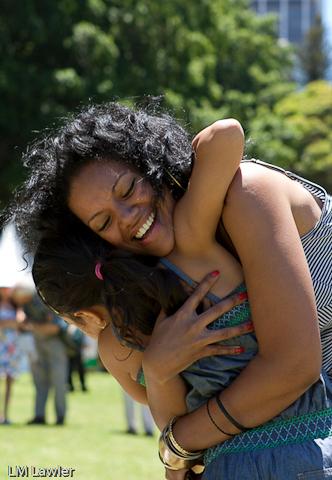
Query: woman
(89, 284)
(264, 215)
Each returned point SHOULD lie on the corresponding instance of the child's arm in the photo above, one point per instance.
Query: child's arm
(218, 153)
(166, 399)
(124, 363)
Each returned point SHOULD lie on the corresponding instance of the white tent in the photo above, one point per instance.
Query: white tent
(13, 268)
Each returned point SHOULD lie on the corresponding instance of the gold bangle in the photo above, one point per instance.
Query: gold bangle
(172, 455)
(175, 444)
(172, 460)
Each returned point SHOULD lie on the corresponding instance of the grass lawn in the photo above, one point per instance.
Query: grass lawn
(93, 440)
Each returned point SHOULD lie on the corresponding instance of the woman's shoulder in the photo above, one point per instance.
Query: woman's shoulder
(262, 195)
(253, 184)
(260, 182)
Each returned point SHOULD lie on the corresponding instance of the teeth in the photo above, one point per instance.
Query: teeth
(145, 226)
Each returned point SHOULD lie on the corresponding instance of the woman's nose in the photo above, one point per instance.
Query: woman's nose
(127, 216)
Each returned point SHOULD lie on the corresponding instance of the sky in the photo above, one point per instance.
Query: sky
(327, 21)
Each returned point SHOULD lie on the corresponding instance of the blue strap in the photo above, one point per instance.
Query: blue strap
(185, 278)
(126, 344)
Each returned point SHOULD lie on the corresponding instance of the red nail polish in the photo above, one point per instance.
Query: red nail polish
(239, 350)
(250, 326)
(215, 273)
(243, 295)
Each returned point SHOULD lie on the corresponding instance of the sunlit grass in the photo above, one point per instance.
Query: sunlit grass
(93, 440)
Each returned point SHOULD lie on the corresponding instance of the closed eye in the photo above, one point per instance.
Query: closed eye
(130, 189)
(104, 225)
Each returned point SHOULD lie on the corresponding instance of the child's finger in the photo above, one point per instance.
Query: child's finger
(199, 293)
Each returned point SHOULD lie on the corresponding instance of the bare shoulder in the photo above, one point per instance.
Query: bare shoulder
(117, 358)
(123, 363)
(252, 193)
(251, 181)
(257, 189)
(257, 205)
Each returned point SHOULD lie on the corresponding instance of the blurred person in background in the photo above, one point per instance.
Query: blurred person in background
(130, 410)
(9, 346)
(51, 368)
(74, 341)
(23, 293)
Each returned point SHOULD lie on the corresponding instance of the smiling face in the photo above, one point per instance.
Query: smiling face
(117, 204)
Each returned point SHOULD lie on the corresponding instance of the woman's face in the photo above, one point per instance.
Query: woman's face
(117, 204)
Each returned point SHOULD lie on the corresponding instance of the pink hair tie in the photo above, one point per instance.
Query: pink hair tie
(97, 271)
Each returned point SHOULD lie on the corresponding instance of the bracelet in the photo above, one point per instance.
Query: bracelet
(172, 460)
(174, 443)
(171, 457)
(214, 423)
(227, 415)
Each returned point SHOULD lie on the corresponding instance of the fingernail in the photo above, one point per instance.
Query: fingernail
(215, 273)
(239, 350)
(250, 326)
(243, 295)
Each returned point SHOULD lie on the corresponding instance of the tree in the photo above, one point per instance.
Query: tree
(211, 59)
(297, 133)
(313, 54)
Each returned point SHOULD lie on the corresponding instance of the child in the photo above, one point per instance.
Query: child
(106, 295)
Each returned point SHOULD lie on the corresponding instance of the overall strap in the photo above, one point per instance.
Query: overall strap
(185, 278)
(121, 340)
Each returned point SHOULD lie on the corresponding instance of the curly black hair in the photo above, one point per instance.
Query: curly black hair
(157, 146)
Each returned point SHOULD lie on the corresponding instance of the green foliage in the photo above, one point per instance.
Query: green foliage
(297, 132)
(212, 59)
(314, 52)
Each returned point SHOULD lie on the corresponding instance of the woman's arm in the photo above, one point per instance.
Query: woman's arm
(259, 219)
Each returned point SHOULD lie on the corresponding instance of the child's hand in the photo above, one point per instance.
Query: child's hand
(181, 339)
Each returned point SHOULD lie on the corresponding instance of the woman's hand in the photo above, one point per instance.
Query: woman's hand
(182, 475)
(181, 339)
(176, 474)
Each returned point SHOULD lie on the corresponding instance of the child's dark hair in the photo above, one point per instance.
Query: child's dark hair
(133, 289)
